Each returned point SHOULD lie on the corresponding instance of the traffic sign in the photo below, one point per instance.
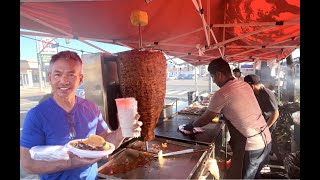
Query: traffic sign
(45, 57)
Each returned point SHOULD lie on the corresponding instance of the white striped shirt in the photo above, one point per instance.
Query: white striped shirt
(236, 101)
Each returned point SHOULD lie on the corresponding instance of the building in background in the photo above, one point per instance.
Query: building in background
(29, 73)
(247, 68)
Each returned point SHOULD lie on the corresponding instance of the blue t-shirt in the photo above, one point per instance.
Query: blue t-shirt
(47, 124)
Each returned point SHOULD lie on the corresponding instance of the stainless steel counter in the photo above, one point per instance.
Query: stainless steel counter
(169, 129)
(123, 163)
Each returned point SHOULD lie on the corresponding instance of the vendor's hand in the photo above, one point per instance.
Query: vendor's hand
(186, 129)
(190, 129)
(75, 161)
(137, 125)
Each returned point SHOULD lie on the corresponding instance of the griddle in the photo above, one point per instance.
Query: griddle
(169, 129)
(183, 166)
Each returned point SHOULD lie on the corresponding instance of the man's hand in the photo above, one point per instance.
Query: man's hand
(75, 161)
(186, 129)
(190, 129)
(137, 125)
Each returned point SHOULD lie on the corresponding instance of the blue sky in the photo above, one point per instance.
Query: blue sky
(28, 47)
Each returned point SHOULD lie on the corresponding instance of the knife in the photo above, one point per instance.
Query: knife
(181, 152)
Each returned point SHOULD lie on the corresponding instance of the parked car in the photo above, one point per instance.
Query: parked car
(80, 91)
(171, 77)
(190, 76)
(182, 76)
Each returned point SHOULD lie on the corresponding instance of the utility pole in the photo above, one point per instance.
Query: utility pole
(40, 61)
(290, 79)
(39, 66)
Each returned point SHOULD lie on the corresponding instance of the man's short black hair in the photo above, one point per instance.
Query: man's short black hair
(66, 55)
(219, 65)
(252, 79)
(236, 70)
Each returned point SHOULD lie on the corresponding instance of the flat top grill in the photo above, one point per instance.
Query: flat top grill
(169, 129)
(183, 166)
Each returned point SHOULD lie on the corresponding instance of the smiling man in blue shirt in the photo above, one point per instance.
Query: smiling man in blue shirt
(64, 117)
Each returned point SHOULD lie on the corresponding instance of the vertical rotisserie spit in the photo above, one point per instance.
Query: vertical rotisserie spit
(142, 75)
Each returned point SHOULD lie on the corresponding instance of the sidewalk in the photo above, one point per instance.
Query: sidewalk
(33, 91)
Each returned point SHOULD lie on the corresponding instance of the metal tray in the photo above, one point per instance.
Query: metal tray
(181, 166)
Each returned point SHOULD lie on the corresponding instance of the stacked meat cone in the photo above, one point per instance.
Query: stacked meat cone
(142, 75)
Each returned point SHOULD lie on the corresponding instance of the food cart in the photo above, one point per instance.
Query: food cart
(195, 31)
(183, 166)
(166, 131)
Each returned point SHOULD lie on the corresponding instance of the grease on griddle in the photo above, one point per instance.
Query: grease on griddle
(123, 167)
(156, 147)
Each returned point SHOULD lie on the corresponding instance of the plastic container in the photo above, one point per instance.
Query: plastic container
(49, 153)
(166, 112)
(127, 110)
(221, 163)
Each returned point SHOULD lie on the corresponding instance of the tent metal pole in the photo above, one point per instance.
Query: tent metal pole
(224, 28)
(181, 35)
(279, 87)
(39, 1)
(208, 18)
(258, 55)
(178, 56)
(96, 47)
(267, 47)
(45, 24)
(140, 37)
(196, 80)
(43, 34)
(260, 47)
(152, 43)
(243, 52)
(237, 38)
(200, 11)
(243, 36)
(193, 54)
(285, 23)
(64, 36)
(57, 29)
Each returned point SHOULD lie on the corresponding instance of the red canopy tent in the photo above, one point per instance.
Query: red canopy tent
(194, 30)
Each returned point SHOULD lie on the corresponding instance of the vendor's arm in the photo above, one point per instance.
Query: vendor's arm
(272, 108)
(32, 166)
(205, 119)
(217, 102)
(273, 118)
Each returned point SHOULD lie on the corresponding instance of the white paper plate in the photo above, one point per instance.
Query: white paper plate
(87, 153)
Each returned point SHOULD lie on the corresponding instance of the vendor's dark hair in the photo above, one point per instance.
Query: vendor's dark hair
(219, 65)
(236, 70)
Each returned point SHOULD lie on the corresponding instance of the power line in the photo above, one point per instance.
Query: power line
(82, 51)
